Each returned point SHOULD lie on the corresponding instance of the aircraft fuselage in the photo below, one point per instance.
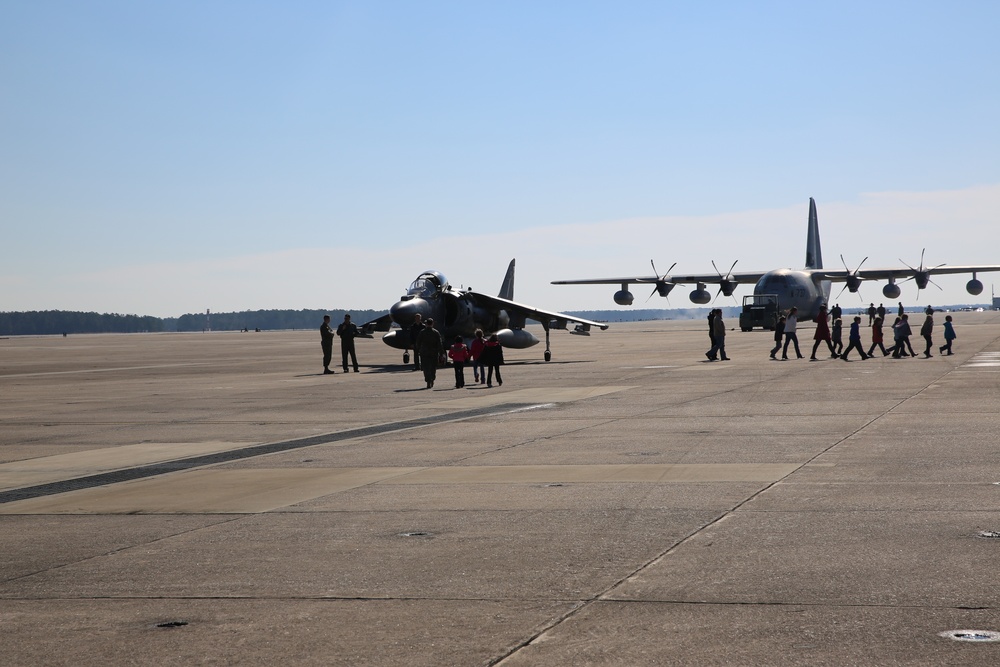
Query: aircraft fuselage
(795, 288)
(453, 315)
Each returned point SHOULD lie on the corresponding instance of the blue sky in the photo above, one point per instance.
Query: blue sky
(163, 158)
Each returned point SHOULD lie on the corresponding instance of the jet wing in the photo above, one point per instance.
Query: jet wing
(546, 317)
(901, 272)
(383, 323)
(679, 279)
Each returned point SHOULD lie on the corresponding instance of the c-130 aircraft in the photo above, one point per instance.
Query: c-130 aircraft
(459, 312)
(807, 288)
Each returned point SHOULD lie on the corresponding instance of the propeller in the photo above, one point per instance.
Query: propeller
(922, 275)
(726, 285)
(853, 281)
(662, 286)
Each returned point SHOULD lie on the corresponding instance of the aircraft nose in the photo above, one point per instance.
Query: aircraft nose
(402, 312)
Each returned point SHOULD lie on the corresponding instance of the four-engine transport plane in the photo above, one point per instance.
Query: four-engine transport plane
(460, 312)
(807, 288)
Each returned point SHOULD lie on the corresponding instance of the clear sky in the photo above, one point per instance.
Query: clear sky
(160, 158)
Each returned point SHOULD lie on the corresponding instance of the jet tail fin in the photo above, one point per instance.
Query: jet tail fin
(814, 255)
(507, 288)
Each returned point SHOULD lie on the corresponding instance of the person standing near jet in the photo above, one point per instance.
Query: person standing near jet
(348, 331)
(880, 311)
(854, 340)
(822, 334)
(711, 334)
(429, 346)
(925, 331)
(791, 324)
(414, 331)
(872, 312)
(835, 312)
(900, 310)
(326, 341)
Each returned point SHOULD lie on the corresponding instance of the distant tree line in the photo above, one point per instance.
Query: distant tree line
(64, 321)
(47, 322)
(266, 319)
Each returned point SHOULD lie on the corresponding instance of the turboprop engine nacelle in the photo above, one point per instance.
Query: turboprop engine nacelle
(974, 287)
(517, 339)
(700, 295)
(623, 297)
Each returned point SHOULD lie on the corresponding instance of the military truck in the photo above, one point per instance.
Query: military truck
(759, 311)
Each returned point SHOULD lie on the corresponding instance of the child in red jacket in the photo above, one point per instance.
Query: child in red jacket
(459, 354)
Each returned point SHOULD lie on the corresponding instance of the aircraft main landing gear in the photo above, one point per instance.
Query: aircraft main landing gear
(406, 357)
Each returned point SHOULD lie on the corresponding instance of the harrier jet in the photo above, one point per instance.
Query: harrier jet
(459, 312)
(807, 288)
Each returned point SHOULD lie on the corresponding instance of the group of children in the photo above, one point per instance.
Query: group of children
(485, 354)
(832, 335)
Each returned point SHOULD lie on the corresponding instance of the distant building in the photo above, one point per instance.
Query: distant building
(996, 303)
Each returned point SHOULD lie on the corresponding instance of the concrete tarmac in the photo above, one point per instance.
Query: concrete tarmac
(211, 498)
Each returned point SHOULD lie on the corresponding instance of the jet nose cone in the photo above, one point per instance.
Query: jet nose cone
(402, 312)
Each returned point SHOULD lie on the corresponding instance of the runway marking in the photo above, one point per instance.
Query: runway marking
(46, 469)
(214, 491)
(983, 360)
(104, 370)
(496, 396)
(75, 482)
(207, 491)
(625, 472)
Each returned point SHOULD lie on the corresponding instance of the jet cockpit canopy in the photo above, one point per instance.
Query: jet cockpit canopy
(427, 284)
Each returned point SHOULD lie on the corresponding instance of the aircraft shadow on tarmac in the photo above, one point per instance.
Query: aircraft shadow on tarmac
(399, 368)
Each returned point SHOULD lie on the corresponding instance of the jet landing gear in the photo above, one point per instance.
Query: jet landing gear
(548, 352)
(406, 357)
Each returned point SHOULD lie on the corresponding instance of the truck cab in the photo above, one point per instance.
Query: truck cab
(759, 310)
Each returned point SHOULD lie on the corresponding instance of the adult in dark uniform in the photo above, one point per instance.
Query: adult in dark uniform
(348, 331)
(414, 331)
(429, 346)
(326, 340)
(711, 335)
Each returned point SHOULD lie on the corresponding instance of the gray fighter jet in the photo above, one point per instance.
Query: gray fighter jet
(459, 312)
(807, 289)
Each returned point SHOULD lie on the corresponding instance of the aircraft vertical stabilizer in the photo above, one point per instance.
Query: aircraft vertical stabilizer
(507, 288)
(814, 256)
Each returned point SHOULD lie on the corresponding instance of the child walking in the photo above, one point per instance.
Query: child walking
(493, 358)
(476, 353)
(949, 335)
(459, 354)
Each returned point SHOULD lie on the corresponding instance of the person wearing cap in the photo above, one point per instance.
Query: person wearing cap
(348, 331)
(429, 346)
